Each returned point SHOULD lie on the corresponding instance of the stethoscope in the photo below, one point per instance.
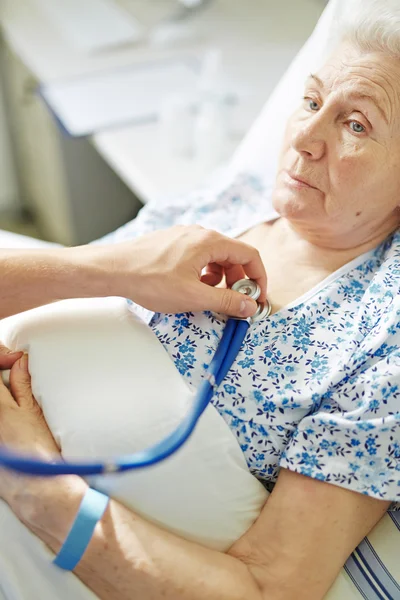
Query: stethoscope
(228, 348)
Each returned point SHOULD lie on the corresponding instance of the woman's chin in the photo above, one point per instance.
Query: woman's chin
(292, 206)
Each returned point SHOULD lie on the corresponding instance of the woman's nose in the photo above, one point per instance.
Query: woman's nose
(309, 141)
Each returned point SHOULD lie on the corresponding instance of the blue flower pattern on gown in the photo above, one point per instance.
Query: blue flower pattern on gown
(316, 386)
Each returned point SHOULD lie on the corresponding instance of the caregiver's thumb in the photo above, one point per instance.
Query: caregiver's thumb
(228, 302)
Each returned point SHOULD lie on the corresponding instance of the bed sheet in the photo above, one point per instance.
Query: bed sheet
(15, 240)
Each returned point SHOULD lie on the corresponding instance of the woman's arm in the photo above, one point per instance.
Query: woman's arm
(295, 549)
(305, 534)
(129, 557)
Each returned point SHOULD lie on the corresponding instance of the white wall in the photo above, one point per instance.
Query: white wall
(8, 186)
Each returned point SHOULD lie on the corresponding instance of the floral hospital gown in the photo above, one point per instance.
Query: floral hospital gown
(316, 386)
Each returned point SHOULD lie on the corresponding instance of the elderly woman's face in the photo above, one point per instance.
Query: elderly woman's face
(344, 141)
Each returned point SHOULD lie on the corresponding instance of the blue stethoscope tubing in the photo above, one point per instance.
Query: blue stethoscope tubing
(232, 339)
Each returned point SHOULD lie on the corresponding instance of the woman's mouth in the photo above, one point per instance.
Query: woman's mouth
(297, 182)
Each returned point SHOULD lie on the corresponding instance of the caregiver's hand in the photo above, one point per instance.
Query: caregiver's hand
(174, 270)
(24, 429)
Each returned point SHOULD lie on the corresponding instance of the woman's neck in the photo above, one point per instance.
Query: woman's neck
(318, 253)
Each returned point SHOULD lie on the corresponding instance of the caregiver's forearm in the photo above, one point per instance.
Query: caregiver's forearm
(30, 278)
(129, 558)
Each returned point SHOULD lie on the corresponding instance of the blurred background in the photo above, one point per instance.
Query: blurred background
(108, 104)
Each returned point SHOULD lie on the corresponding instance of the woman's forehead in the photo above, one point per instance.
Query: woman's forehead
(373, 75)
(349, 63)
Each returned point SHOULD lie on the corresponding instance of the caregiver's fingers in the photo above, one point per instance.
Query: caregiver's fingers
(7, 357)
(223, 300)
(212, 274)
(235, 252)
(20, 383)
(233, 273)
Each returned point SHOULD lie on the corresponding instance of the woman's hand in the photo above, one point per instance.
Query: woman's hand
(23, 429)
(174, 270)
(7, 357)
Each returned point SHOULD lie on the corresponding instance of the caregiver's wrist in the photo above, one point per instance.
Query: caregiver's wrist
(90, 272)
(102, 273)
(49, 506)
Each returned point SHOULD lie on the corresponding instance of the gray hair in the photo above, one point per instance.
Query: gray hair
(371, 25)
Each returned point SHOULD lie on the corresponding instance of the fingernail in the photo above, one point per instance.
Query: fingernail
(23, 362)
(247, 308)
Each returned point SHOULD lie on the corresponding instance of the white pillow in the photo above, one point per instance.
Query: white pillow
(108, 388)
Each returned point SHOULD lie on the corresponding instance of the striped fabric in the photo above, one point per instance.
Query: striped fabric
(372, 572)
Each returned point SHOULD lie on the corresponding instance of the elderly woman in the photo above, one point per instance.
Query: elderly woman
(313, 397)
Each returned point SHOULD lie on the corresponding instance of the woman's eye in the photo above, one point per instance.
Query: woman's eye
(311, 104)
(357, 127)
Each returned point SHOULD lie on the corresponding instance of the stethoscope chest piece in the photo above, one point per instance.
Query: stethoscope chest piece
(250, 288)
(263, 311)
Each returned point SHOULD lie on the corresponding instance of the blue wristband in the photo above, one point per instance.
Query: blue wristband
(91, 510)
